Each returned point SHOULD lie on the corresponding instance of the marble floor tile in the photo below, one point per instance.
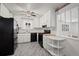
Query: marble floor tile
(30, 49)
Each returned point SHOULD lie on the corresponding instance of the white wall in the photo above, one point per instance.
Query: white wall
(75, 29)
(70, 44)
(5, 12)
(21, 21)
(36, 22)
(67, 15)
(53, 18)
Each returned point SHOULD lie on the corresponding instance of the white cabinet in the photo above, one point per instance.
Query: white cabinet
(53, 44)
(45, 19)
(48, 18)
(22, 38)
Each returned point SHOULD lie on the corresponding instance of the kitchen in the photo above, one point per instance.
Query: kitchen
(43, 29)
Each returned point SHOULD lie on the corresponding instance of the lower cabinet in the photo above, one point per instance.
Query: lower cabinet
(22, 38)
(66, 47)
(27, 37)
(53, 45)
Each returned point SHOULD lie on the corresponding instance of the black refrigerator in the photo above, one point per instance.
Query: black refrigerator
(6, 36)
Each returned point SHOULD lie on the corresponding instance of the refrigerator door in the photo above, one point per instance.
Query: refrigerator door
(6, 36)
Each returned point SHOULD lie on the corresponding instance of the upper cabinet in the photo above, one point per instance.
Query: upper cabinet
(45, 19)
(48, 19)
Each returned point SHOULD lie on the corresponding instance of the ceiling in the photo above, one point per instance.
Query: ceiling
(39, 8)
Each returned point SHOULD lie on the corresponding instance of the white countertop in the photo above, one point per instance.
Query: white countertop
(24, 31)
(59, 37)
(56, 38)
(36, 31)
(69, 37)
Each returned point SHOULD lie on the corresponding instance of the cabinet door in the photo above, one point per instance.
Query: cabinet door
(24, 38)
